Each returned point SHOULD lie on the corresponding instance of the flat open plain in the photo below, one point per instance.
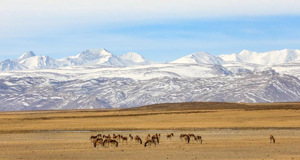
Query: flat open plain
(229, 131)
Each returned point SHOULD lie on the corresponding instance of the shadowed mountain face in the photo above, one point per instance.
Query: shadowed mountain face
(40, 93)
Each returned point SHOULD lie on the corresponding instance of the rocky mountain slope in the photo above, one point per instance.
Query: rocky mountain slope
(41, 92)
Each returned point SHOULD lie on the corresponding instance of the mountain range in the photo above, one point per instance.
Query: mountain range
(90, 57)
(97, 78)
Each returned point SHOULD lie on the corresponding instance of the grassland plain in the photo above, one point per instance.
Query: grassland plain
(229, 130)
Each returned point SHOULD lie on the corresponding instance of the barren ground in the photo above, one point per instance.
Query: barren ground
(229, 131)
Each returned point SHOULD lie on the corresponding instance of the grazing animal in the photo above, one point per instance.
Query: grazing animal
(99, 135)
(114, 136)
(158, 135)
(92, 138)
(111, 142)
(147, 137)
(182, 136)
(186, 138)
(119, 137)
(149, 142)
(105, 142)
(138, 139)
(97, 141)
(199, 138)
(155, 135)
(124, 139)
(272, 139)
(192, 135)
(155, 138)
(130, 136)
(108, 136)
(169, 136)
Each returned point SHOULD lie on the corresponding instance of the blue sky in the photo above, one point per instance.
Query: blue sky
(161, 31)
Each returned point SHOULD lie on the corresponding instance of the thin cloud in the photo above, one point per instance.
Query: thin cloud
(62, 12)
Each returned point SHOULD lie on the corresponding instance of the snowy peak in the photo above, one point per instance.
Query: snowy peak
(200, 57)
(134, 57)
(94, 52)
(245, 59)
(39, 62)
(103, 57)
(92, 57)
(89, 57)
(230, 58)
(26, 55)
(9, 65)
(291, 55)
(266, 58)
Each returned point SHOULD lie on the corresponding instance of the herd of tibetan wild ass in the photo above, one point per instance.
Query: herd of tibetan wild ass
(114, 140)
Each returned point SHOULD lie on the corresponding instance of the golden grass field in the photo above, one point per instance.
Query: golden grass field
(229, 131)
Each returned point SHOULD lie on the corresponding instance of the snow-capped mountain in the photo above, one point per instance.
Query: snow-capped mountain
(133, 58)
(57, 89)
(103, 57)
(39, 62)
(92, 57)
(99, 79)
(14, 65)
(291, 68)
(9, 65)
(25, 56)
(266, 58)
(200, 57)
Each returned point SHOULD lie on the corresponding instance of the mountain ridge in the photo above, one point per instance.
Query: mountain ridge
(264, 58)
(200, 57)
(90, 57)
(102, 56)
(41, 92)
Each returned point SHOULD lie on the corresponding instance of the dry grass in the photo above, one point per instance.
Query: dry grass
(251, 123)
(165, 116)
